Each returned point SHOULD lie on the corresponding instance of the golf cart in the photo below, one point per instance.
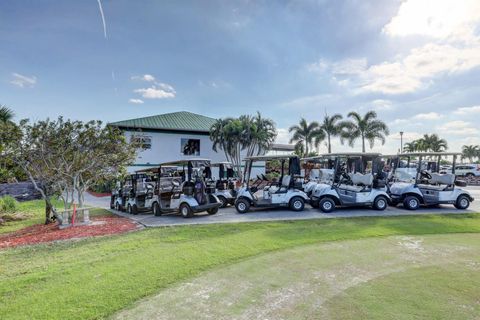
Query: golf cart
(139, 191)
(428, 187)
(317, 170)
(225, 184)
(358, 180)
(184, 191)
(282, 193)
(124, 192)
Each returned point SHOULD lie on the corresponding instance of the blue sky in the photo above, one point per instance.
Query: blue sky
(415, 62)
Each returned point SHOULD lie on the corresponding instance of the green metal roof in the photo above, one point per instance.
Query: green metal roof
(177, 121)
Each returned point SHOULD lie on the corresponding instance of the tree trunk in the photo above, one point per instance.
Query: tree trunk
(363, 144)
(48, 212)
(329, 144)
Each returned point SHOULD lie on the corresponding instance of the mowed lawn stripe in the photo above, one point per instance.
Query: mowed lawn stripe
(91, 279)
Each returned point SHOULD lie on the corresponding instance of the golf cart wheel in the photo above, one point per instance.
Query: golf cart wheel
(411, 203)
(297, 204)
(463, 202)
(380, 203)
(223, 200)
(134, 209)
(129, 209)
(117, 206)
(156, 209)
(185, 210)
(242, 205)
(327, 205)
(212, 211)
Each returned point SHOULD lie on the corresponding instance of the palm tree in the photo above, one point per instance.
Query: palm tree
(6, 114)
(410, 146)
(433, 143)
(367, 128)
(470, 152)
(307, 134)
(331, 128)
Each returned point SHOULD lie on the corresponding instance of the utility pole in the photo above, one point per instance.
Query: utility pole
(401, 141)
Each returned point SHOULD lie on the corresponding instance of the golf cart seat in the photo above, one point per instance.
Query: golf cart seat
(285, 184)
(361, 179)
(446, 178)
(326, 175)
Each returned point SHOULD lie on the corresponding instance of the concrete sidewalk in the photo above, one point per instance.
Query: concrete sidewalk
(230, 215)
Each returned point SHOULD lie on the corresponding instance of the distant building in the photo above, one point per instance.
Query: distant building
(174, 136)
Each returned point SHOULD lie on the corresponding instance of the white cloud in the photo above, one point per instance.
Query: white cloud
(458, 127)
(319, 66)
(145, 77)
(23, 81)
(349, 66)
(157, 91)
(382, 105)
(467, 110)
(428, 116)
(440, 19)
(283, 136)
(136, 101)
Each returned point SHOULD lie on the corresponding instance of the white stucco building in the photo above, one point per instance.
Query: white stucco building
(175, 136)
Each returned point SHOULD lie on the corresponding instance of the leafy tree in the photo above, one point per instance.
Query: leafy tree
(62, 158)
(252, 135)
(367, 128)
(332, 128)
(471, 152)
(6, 114)
(428, 142)
(307, 135)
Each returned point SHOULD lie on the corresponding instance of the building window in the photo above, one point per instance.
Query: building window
(190, 147)
(145, 142)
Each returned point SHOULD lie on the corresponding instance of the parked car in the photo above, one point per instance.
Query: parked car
(467, 170)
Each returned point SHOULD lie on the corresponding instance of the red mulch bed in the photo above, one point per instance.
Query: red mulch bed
(99, 194)
(101, 226)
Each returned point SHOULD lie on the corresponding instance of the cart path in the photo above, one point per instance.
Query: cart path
(230, 215)
(316, 281)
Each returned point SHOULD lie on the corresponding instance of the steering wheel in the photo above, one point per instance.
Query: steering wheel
(264, 177)
(425, 174)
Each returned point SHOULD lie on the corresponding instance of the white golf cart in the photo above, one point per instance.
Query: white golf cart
(282, 193)
(225, 184)
(184, 191)
(317, 170)
(428, 187)
(358, 180)
(139, 192)
(125, 194)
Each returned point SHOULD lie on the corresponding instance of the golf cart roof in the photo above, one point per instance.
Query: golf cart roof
(216, 164)
(184, 162)
(352, 154)
(272, 157)
(155, 169)
(421, 154)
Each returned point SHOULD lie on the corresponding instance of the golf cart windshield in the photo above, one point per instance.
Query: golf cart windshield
(282, 167)
(355, 168)
(428, 167)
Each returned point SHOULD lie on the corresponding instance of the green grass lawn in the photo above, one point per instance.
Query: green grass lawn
(34, 213)
(94, 278)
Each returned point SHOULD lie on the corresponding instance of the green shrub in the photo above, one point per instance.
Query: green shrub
(8, 204)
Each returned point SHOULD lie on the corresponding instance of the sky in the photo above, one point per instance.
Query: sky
(415, 62)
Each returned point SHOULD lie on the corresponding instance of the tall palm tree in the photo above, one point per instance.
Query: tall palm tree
(6, 114)
(332, 128)
(367, 128)
(411, 146)
(433, 143)
(470, 152)
(308, 134)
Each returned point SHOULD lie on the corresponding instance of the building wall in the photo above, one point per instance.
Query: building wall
(166, 146)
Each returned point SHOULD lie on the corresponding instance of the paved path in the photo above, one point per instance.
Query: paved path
(230, 215)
